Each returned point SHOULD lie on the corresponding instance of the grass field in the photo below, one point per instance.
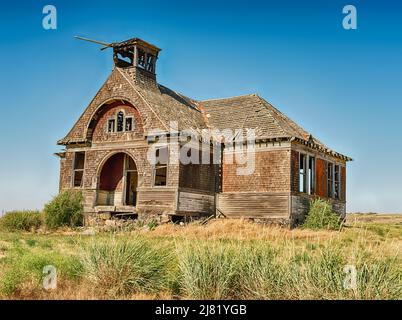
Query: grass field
(225, 259)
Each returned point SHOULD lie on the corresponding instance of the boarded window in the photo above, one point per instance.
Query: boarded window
(337, 182)
(330, 179)
(302, 173)
(161, 165)
(311, 175)
(78, 172)
(120, 121)
(129, 124)
(111, 125)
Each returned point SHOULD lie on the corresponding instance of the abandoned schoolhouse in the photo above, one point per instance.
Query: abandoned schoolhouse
(106, 153)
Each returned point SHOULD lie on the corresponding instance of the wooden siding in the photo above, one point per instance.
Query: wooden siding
(259, 205)
(196, 202)
(157, 198)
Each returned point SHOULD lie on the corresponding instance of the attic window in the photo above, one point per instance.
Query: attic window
(129, 124)
(160, 168)
(78, 169)
(111, 125)
(120, 121)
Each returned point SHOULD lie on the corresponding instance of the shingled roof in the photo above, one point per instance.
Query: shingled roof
(253, 112)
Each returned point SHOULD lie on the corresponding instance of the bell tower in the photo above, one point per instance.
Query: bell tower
(138, 58)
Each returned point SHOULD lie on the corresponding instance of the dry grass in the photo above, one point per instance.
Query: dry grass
(304, 261)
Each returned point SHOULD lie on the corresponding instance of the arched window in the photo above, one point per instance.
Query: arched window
(120, 121)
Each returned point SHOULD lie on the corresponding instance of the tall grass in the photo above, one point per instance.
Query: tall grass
(26, 220)
(207, 270)
(254, 270)
(123, 267)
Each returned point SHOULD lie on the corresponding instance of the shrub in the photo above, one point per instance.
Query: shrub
(66, 209)
(126, 266)
(21, 220)
(321, 216)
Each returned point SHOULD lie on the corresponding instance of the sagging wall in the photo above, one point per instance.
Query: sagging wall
(262, 194)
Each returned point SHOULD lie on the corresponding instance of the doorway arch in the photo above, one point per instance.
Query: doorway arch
(118, 181)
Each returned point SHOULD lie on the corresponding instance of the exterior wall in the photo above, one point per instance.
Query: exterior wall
(262, 194)
(196, 203)
(300, 201)
(271, 174)
(150, 199)
(255, 205)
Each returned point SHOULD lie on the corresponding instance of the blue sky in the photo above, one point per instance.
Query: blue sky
(344, 86)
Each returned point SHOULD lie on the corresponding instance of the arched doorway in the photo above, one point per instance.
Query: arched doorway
(118, 181)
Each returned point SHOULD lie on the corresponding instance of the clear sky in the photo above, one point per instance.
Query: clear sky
(344, 86)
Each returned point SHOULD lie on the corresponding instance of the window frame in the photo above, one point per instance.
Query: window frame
(330, 180)
(75, 170)
(114, 125)
(156, 166)
(311, 174)
(302, 188)
(337, 182)
(132, 123)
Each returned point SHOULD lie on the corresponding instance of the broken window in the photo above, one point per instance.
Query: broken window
(311, 175)
(337, 182)
(123, 57)
(78, 172)
(160, 169)
(141, 58)
(111, 125)
(129, 124)
(330, 179)
(150, 63)
(120, 121)
(302, 173)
